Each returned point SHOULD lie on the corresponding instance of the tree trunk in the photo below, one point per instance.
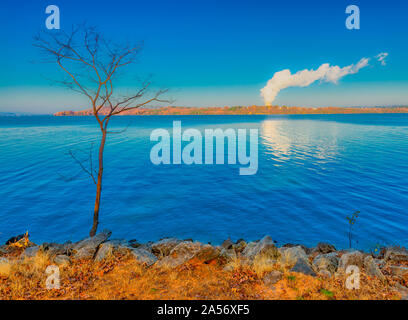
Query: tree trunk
(98, 185)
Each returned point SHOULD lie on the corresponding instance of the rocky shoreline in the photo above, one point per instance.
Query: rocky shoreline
(322, 261)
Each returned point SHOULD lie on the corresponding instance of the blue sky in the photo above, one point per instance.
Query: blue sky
(216, 53)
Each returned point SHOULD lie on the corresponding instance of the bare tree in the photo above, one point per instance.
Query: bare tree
(90, 65)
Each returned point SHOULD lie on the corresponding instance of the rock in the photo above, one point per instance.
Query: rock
(380, 263)
(372, 269)
(240, 246)
(86, 249)
(163, 247)
(108, 248)
(54, 249)
(325, 273)
(396, 254)
(272, 277)
(302, 266)
(4, 249)
(146, 246)
(144, 257)
(264, 248)
(227, 244)
(30, 251)
(187, 251)
(290, 256)
(326, 264)
(324, 248)
(291, 245)
(249, 248)
(282, 250)
(355, 258)
(228, 255)
(62, 259)
(105, 250)
(207, 253)
(134, 243)
(180, 254)
(400, 271)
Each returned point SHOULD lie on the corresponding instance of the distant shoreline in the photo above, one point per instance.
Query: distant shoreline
(251, 110)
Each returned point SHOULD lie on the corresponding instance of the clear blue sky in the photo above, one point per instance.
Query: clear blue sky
(217, 52)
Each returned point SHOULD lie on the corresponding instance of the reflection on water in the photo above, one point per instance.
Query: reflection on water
(275, 141)
(286, 140)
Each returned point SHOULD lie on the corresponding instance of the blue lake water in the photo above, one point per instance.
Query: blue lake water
(313, 171)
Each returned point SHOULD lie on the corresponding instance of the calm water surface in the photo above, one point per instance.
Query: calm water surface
(313, 172)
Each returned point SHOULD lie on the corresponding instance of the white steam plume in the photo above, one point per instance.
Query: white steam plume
(284, 79)
(381, 58)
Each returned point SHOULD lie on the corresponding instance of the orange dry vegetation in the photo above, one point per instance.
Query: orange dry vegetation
(121, 277)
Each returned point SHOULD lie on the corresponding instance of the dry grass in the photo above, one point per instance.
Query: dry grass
(5, 268)
(120, 277)
(262, 265)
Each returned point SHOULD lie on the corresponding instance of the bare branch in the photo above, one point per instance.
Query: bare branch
(90, 173)
(118, 132)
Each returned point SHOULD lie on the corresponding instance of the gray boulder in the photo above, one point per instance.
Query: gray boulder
(355, 258)
(372, 268)
(325, 273)
(272, 277)
(264, 248)
(290, 256)
(326, 264)
(30, 252)
(302, 266)
(291, 245)
(86, 249)
(108, 248)
(248, 251)
(62, 259)
(396, 254)
(180, 254)
(54, 249)
(144, 257)
(163, 247)
(380, 263)
(187, 251)
(146, 246)
(323, 248)
(239, 246)
(134, 243)
(4, 249)
(227, 244)
(207, 253)
(228, 255)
